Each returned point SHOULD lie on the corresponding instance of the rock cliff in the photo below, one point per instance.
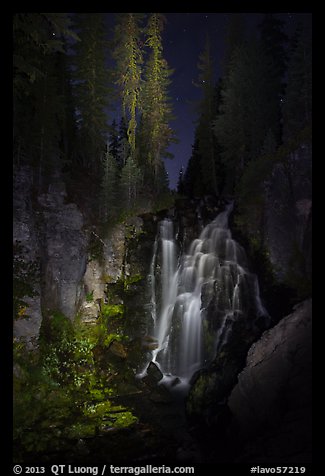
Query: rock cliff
(271, 403)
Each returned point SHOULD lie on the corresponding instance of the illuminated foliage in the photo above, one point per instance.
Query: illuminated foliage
(155, 105)
(128, 56)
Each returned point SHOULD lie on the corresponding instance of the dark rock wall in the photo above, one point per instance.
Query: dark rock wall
(271, 403)
(26, 236)
(288, 215)
(63, 246)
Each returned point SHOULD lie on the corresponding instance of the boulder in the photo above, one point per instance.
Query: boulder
(154, 375)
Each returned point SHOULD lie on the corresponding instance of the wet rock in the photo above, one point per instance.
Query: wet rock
(154, 372)
(114, 253)
(149, 342)
(93, 279)
(175, 382)
(118, 349)
(154, 375)
(89, 312)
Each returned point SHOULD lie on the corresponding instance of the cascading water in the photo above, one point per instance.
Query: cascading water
(214, 271)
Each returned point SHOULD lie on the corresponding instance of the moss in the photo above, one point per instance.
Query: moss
(81, 430)
(90, 296)
(55, 327)
(65, 389)
(124, 419)
(112, 310)
(25, 279)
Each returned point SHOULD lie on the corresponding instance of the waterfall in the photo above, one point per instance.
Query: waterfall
(214, 271)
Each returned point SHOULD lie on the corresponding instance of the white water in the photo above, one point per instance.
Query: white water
(214, 261)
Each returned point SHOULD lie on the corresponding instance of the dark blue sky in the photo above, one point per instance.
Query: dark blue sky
(183, 40)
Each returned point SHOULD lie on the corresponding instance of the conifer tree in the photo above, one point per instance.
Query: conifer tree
(109, 188)
(273, 43)
(114, 144)
(193, 185)
(128, 57)
(245, 114)
(124, 146)
(130, 184)
(297, 103)
(91, 86)
(208, 109)
(155, 105)
(40, 98)
(234, 37)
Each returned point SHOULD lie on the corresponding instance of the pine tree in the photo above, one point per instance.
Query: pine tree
(128, 57)
(40, 98)
(273, 43)
(193, 185)
(114, 143)
(205, 137)
(234, 37)
(91, 86)
(124, 146)
(109, 188)
(298, 95)
(245, 114)
(130, 184)
(155, 104)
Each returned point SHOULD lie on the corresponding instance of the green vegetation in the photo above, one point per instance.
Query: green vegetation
(90, 296)
(62, 392)
(112, 310)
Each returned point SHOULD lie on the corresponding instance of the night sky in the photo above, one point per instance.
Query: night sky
(184, 39)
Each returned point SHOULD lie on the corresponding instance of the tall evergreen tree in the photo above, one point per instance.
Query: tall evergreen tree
(109, 196)
(208, 109)
(130, 184)
(40, 97)
(234, 37)
(297, 104)
(114, 144)
(91, 86)
(124, 145)
(192, 182)
(273, 43)
(155, 105)
(128, 57)
(245, 115)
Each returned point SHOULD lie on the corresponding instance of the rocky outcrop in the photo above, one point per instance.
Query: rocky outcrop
(64, 245)
(27, 255)
(51, 244)
(288, 205)
(271, 403)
